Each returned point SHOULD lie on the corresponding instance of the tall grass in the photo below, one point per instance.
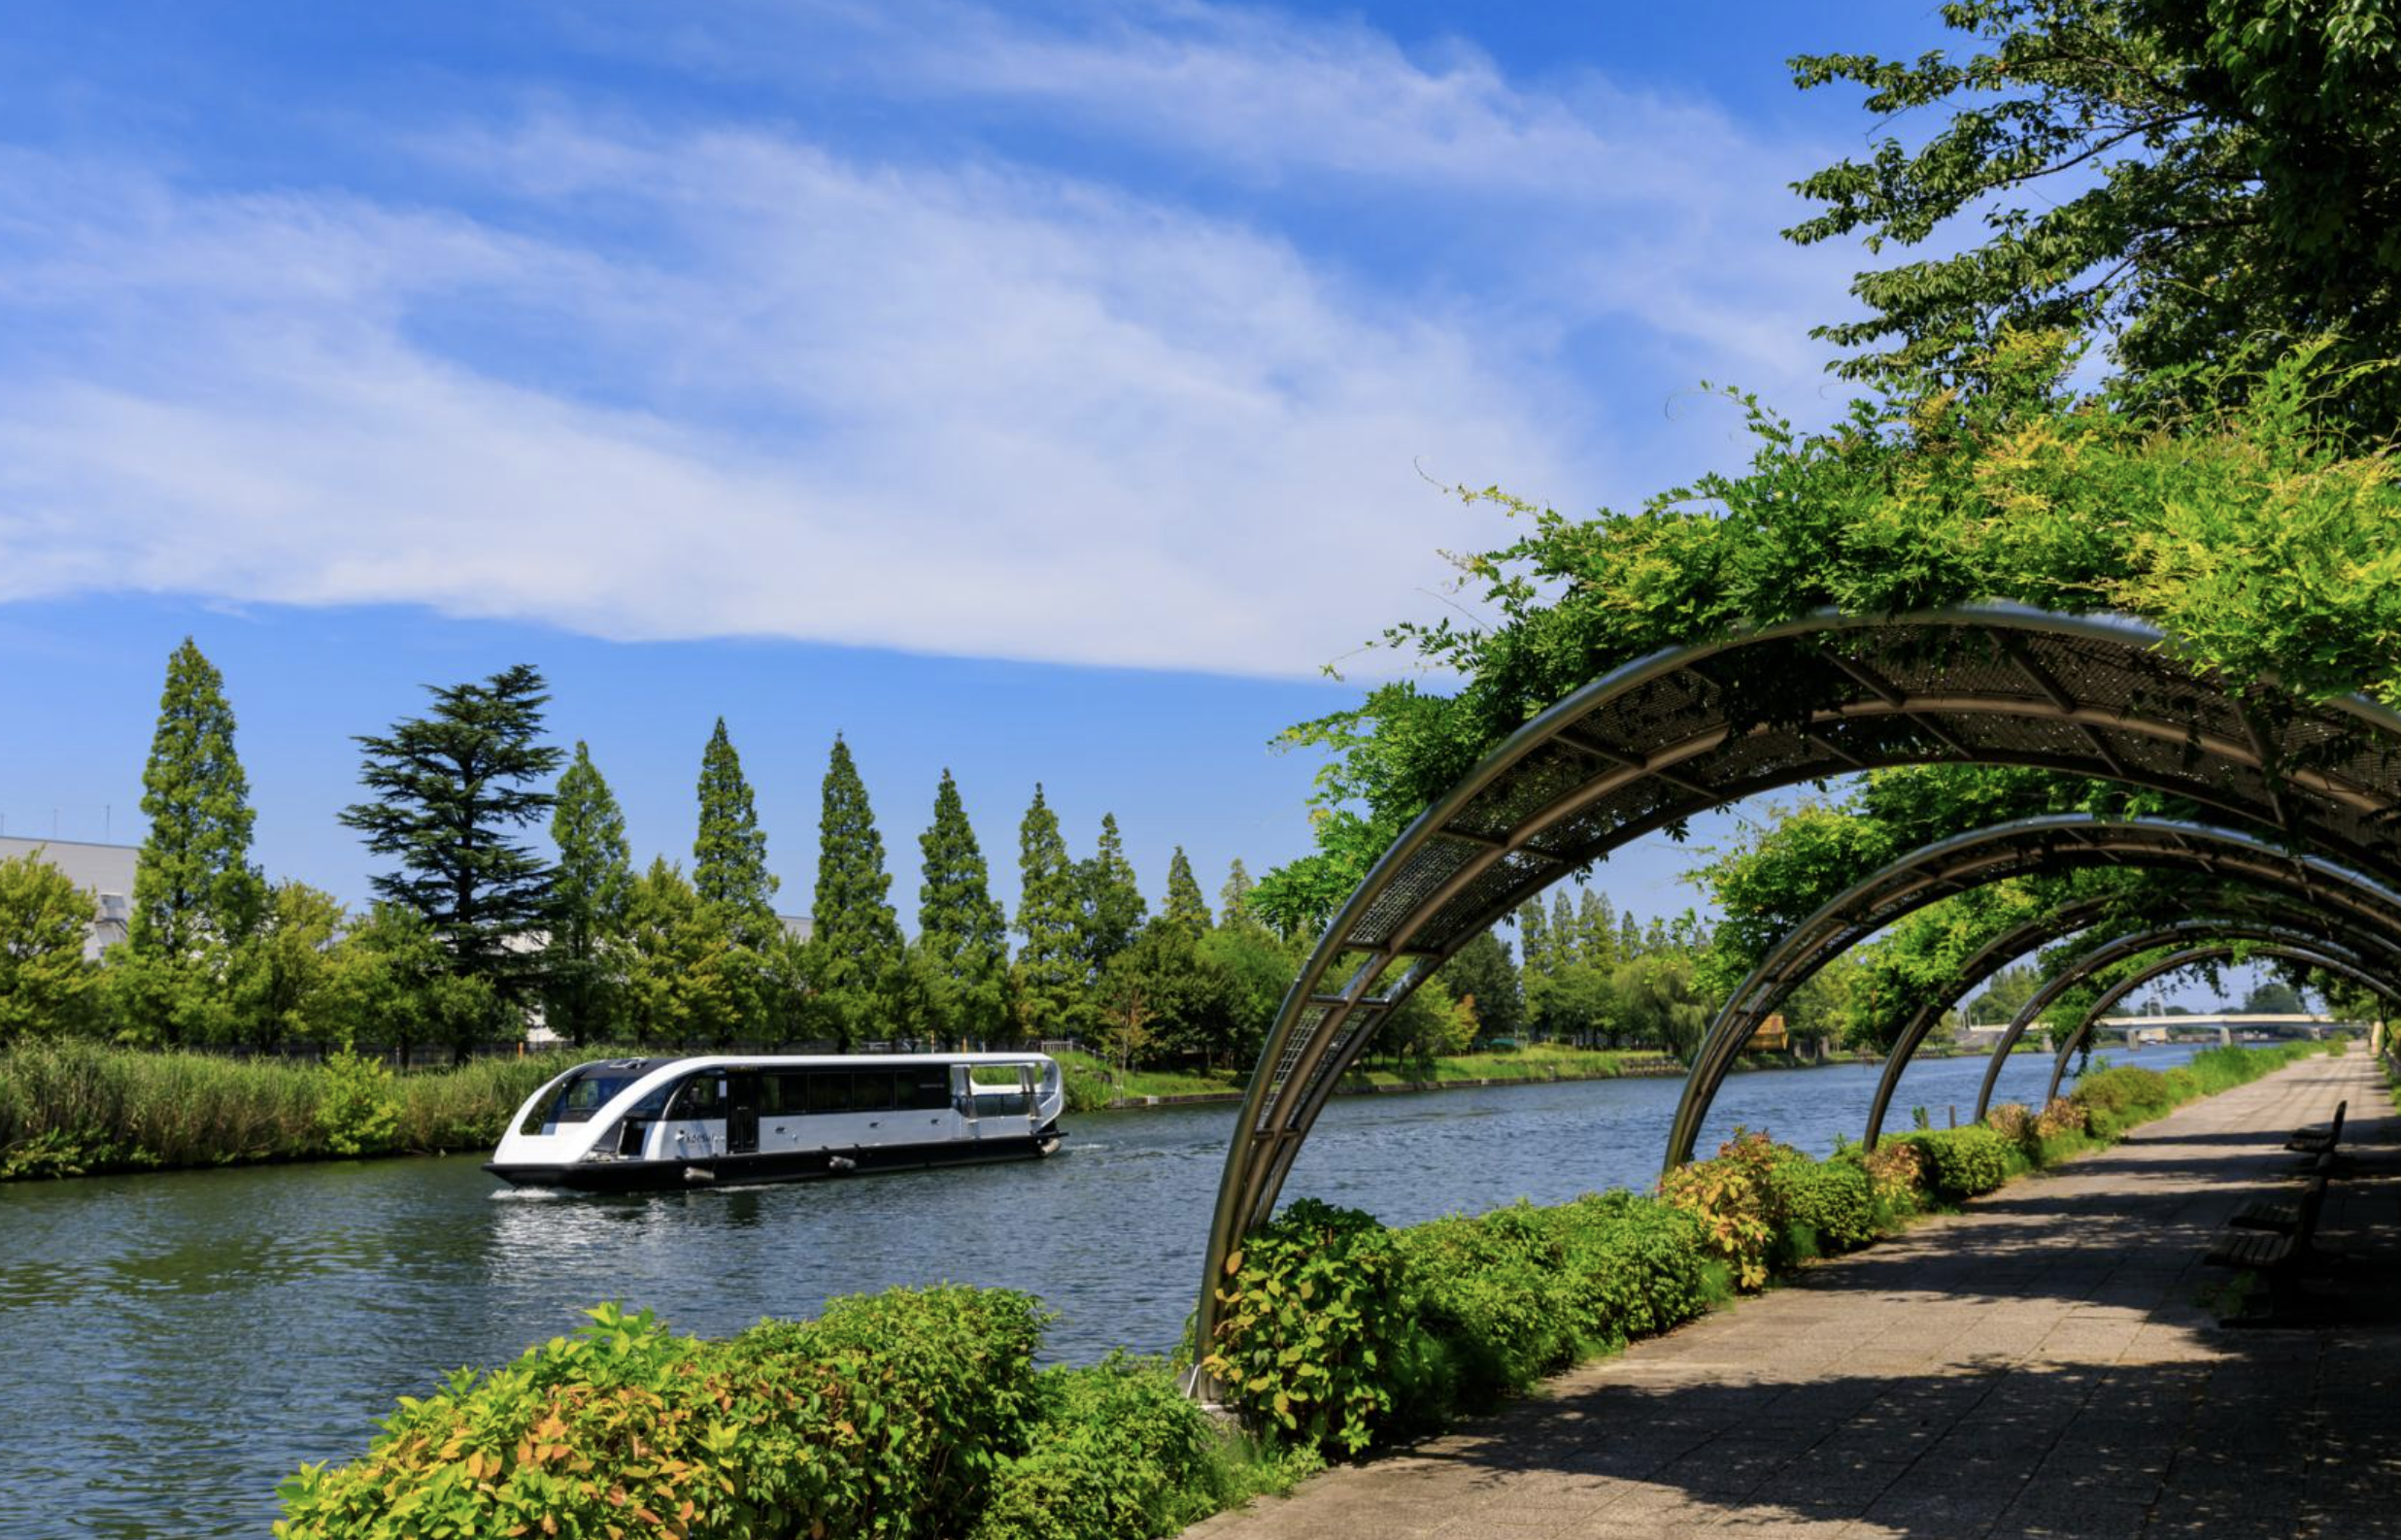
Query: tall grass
(72, 1108)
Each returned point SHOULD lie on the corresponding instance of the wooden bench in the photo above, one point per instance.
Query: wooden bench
(2319, 1141)
(2278, 1256)
(2266, 1214)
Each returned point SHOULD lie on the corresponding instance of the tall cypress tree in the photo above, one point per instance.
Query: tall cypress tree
(194, 891)
(1596, 926)
(1110, 901)
(590, 889)
(959, 927)
(730, 857)
(1534, 939)
(1185, 905)
(1567, 938)
(855, 946)
(449, 789)
(1234, 899)
(1050, 973)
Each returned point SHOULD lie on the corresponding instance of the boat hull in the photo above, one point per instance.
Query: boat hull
(771, 1166)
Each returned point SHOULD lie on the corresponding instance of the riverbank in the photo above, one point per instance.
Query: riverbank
(1402, 1331)
(1543, 1064)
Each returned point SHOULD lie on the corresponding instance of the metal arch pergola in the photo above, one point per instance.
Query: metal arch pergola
(2231, 911)
(2107, 954)
(2024, 847)
(2230, 903)
(2317, 955)
(1659, 740)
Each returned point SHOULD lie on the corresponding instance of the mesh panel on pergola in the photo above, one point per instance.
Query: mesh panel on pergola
(1659, 740)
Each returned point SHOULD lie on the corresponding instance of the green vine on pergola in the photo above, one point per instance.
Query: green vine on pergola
(2264, 548)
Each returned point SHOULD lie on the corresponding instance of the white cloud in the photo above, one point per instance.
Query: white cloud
(703, 383)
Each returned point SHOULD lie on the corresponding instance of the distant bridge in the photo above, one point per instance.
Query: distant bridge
(2228, 1024)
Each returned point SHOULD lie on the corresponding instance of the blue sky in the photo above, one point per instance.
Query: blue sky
(1048, 393)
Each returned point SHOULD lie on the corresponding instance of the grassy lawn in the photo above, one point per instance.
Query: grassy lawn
(1542, 1061)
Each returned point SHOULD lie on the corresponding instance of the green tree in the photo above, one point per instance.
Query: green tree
(44, 979)
(1185, 905)
(1482, 975)
(1049, 976)
(961, 932)
(449, 791)
(391, 984)
(281, 967)
(1258, 967)
(194, 892)
(1656, 1003)
(687, 981)
(2273, 997)
(590, 887)
(1577, 1004)
(1111, 910)
(1160, 998)
(1429, 1025)
(855, 946)
(730, 857)
(1567, 936)
(1233, 900)
(2197, 183)
(1596, 929)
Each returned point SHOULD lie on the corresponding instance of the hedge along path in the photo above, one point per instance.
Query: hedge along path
(2041, 1363)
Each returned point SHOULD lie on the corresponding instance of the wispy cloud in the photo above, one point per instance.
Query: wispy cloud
(676, 381)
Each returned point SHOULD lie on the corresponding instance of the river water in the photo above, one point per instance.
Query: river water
(177, 1343)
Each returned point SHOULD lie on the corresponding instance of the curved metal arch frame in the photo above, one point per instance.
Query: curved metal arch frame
(2262, 912)
(2351, 968)
(2234, 903)
(1666, 736)
(1973, 859)
(2106, 954)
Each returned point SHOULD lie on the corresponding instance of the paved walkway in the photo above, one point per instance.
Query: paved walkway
(2046, 1363)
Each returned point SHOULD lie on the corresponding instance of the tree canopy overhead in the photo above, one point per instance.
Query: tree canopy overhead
(2195, 183)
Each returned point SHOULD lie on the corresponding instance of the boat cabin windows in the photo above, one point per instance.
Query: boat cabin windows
(791, 1093)
(579, 1094)
(701, 1097)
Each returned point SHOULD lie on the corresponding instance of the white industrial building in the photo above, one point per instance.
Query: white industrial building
(106, 871)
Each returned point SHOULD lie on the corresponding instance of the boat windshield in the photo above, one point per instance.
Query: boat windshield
(581, 1094)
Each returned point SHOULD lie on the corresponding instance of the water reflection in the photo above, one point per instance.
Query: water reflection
(180, 1342)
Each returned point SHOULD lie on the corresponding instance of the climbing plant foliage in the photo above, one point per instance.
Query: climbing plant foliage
(2262, 547)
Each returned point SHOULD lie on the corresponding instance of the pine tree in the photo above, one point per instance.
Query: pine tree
(1185, 905)
(194, 891)
(1629, 938)
(962, 931)
(590, 889)
(1234, 899)
(855, 946)
(1110, 901)
(1049, 976)
(449, 788)
(730, 857)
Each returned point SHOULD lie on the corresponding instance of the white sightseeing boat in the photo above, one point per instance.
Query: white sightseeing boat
(630, 1124)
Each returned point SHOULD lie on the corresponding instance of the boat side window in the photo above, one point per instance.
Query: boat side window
(785, 1094)
(929, 1089)
(701, 1097)
(577, 1097)
(871, 1091)
(830, 1090)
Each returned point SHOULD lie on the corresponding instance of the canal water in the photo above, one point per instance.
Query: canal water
(177, 1343)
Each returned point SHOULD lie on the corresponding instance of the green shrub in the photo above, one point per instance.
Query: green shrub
(1832, 1200)
(789, 1429)
(1636, 1265)
(1118, 1450)
(1495, 1291)
(357, 1111)
(1314, 1334)
(1739, 1201)
(1966, 1162)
